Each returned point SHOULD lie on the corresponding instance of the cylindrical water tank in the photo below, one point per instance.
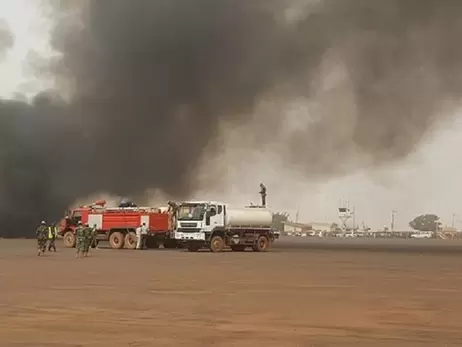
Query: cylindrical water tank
(248, 217)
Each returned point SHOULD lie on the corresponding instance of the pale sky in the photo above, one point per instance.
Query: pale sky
(30, 31)
(427, 182)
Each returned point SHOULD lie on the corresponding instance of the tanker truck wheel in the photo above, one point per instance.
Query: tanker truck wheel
(262, 244)
(69, 239)
(217, 244)
(193, 248)
(130, 240)
(116, 240)
(170, 244)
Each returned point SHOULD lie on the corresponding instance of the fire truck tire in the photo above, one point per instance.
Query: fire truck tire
(151, 242)
(69, 239)
(130, 240)
(217, 244)
(116, 240)
(238, 248)
(262, 244)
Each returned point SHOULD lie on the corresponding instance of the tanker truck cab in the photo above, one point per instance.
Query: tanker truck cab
(215, 226)
(195, 221)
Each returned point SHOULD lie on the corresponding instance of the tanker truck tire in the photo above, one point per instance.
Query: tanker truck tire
(193, 248)
(262, 244)
(238, 248)
(69, 239)
(130, 240)
(217, 244)
(116, 240)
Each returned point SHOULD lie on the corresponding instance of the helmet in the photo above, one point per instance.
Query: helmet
(80, 222)
(43, 222)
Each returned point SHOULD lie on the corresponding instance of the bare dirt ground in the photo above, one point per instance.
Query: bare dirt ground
(302, 293)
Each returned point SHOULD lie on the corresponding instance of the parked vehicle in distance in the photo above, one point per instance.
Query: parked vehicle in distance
(422, 235)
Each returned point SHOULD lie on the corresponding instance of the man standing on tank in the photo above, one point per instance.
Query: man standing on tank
(263, 194)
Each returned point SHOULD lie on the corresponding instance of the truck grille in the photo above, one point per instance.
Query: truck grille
(189, 230)
(188, 225)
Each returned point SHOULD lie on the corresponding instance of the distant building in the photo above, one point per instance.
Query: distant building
(293, 227)
(321, 226)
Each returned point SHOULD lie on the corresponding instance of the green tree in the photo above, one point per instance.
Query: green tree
(278, 220)
(425, 222)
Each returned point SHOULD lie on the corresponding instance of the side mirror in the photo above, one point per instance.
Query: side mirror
(207, 218)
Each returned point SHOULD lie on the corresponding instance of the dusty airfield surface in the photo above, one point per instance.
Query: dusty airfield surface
(301, 293)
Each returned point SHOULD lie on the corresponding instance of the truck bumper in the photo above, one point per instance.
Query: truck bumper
(189, 236)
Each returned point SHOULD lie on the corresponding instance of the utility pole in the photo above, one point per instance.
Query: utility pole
(393, 220)
(296, 215)
(453, 219)
(354, 218)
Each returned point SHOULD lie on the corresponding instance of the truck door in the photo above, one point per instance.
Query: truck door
(96, 219)
(216, 217)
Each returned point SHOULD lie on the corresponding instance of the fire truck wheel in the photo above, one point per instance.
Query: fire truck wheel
(262, 244)
(69, 239)
(130, 240)
(238, 248)
(116, 240)
(217, 244)
(151, 242)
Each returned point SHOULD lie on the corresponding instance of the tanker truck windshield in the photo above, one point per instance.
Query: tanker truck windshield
(191, 212)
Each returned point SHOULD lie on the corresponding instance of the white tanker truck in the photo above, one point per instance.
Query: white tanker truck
(214, 225)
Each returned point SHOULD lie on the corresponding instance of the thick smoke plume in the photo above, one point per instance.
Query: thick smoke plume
(6, 39)
(152, 82)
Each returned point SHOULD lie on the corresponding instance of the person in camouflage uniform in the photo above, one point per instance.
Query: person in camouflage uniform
(80, 238)
(88, 236)
(94, 236)
(42, 236)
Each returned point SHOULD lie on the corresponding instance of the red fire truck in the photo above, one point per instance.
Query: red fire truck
(117, 225)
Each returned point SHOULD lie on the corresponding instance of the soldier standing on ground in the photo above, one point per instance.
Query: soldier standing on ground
(52, 234)
(41, 234)
(138, 236)
(88, 236)
(263, 194)
(144, 235)
(94, 235)
(80, 238)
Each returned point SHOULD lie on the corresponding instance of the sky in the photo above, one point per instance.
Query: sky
(428, 181)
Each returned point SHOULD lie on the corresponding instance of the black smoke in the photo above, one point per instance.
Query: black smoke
(152, 81)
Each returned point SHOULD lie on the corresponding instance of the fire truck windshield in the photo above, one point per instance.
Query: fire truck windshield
(191, 212)
(75, 217)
